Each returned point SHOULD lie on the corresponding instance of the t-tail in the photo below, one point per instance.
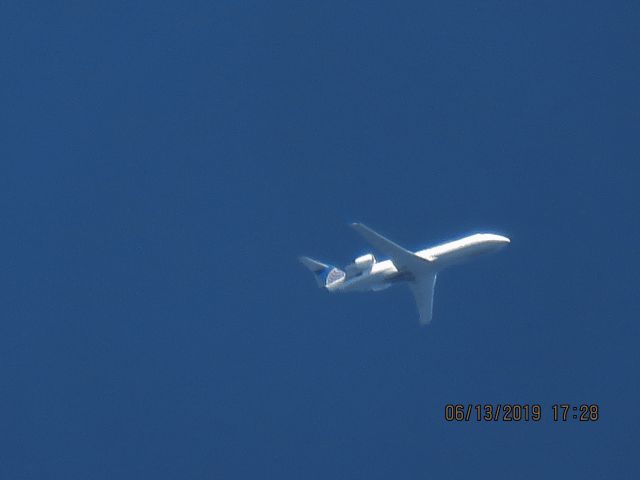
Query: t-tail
(327, 276)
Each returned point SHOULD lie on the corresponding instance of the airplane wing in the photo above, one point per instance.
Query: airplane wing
(402, 258)
(422, 271)
(422, 289)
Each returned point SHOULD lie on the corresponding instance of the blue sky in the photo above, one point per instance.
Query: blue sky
(165, 162)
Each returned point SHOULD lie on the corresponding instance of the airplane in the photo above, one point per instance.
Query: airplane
(417, 269)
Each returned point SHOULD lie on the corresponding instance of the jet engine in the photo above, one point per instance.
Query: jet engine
(365, 262)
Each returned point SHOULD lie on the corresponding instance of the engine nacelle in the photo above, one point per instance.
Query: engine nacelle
(365, 262)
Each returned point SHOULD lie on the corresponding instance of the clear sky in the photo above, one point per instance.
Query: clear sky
(163, 164)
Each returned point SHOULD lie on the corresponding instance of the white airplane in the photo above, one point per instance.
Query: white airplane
(418, 270)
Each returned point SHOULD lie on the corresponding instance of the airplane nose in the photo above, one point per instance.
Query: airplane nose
(502, 239)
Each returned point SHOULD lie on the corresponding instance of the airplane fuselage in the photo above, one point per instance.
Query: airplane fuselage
(418, 270)
(384, 274)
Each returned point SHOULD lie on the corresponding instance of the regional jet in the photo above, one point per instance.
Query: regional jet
(416, 269)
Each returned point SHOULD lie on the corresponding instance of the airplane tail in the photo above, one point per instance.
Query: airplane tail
(326, 275)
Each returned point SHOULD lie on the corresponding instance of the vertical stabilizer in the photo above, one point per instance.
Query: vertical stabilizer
(326, 275)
